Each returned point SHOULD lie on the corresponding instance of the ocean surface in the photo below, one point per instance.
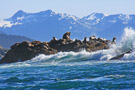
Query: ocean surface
(75, 71)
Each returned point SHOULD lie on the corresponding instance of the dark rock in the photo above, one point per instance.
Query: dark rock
(121, 55)
(27, 50)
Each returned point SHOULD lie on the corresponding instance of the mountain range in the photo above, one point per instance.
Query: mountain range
(46, 24)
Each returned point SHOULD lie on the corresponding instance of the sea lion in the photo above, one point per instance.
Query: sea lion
(67, 36)
(114, 40)
(92, 38)
(54, 39)
(85, 40)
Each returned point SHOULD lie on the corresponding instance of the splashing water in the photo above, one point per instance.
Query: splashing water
(127, 43)
(75, 70)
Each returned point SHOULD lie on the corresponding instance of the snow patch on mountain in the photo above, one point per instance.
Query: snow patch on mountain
(67, 16)
(94, 18)
(112, 21)
(91, 17)
(20, 18)
(5, 23)
(125, 18)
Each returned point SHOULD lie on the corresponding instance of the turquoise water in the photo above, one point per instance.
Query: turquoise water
(87, 75)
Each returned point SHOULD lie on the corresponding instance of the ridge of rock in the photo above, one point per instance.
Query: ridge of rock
(27, 50)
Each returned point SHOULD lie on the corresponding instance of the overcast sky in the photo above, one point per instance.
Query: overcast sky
(79, 8)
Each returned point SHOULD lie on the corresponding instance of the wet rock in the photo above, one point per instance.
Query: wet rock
(26, 51)
(121, 55)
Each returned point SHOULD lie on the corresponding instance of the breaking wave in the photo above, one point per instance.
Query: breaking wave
(127, 43)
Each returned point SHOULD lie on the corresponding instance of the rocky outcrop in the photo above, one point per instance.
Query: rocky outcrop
(121, 55)
(27, 50)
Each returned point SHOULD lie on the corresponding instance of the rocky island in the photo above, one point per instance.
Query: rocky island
(27, 50)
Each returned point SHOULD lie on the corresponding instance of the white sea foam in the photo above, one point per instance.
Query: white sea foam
(92, 79)
(5, 23)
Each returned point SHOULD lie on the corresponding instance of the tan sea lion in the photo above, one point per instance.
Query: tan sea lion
(67, 36)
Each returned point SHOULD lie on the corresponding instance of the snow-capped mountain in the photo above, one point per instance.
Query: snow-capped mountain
(94, 18)
(43, 25)
(46, 24)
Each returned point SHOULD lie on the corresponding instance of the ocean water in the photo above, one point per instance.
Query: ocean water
(75, 71)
